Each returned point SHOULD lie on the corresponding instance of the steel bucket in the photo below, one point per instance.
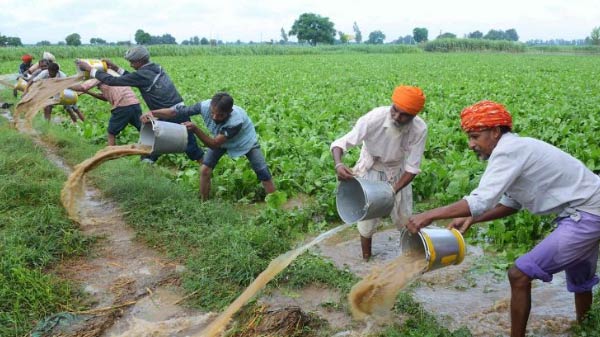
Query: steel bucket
(68, 97)
(361, 199)
(441, 247)
(164, 137)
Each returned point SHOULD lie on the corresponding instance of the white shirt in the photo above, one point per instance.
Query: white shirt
(528, 173)
(45, 74)
(386, 147)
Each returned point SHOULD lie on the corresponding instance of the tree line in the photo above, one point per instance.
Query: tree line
(314, 29)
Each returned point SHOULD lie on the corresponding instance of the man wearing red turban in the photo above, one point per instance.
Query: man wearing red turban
(528, 173)
(23, 68)
(393, 140)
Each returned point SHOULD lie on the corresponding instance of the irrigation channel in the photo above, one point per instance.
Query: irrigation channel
(135, 293)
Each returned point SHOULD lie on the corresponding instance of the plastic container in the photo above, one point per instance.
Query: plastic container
(68, 97)
(441, 247)
(164, 137)
(94, 63)
(360, 199)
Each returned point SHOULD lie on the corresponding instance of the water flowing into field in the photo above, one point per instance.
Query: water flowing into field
(274, 268)
(73, 188)
(41, 94)
(375, 295)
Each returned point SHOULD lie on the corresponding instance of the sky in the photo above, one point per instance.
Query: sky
(262, 20)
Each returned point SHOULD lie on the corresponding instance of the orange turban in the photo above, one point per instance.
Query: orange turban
(484, 115)
(26, 58)
(409, 99)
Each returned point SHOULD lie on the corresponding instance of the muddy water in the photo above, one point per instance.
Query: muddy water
(73, 188)
(274, 268)
(471, 294)
(39, 95)
(374, 296)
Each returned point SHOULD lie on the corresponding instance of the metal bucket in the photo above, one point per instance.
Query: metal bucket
(21, 84)
(361, 199)
(68, 97)
(164, 137)
(95, 64)
(441, 247)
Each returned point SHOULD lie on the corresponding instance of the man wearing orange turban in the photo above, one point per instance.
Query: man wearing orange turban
(393, 140)
(528, 173)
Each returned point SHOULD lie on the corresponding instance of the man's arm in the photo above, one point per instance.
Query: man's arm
(213, 143)
(343, 172)
(404, 180)
(500, 211)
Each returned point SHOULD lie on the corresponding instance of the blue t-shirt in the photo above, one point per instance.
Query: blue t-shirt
(238, 128)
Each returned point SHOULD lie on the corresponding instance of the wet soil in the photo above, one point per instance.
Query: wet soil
(470, 294)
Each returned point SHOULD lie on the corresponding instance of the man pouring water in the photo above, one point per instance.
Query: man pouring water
(393, 140)
(527, 173)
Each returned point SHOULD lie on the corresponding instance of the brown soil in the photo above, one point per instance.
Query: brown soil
(290, 321)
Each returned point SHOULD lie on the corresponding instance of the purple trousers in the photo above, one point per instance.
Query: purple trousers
(572, 247)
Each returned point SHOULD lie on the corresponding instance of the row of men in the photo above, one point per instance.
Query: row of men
(231, 130)
(45, 68)
(521, 173)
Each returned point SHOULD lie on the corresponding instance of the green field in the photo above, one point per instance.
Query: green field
(301, 103)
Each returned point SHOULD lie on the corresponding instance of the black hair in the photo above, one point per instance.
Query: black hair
(505, 128)
(54, 67)
(223, 102)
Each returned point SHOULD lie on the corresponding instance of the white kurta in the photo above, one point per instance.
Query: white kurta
(387, 152)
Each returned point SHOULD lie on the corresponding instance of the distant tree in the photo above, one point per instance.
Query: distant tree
(61, 43)
(475, 35)
(167, 39)
(408, 39)
(97, 40)
(43, 43)
(376, 37)
(13, 41)
(446, 36)
(123, 43)
(141, 37)
(73, 39)
(204, 41)
(357, 33)
(344, 38)
(314, 29)
(511, 35)
(195, 40)
(185, 43)
(494, 34)
(284, 36)
(420, 34)
(595, 36)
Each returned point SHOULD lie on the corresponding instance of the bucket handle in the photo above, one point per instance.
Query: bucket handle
(153, 122)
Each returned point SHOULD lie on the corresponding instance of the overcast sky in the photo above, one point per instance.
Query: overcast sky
(262, 20)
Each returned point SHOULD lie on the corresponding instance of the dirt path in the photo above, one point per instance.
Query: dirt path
(469, 294)
(122, 272)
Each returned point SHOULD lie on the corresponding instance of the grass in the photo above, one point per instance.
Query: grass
(34, 235)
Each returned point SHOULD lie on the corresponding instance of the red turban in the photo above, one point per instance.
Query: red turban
(409, 99)
(484, 115)
(26, 58)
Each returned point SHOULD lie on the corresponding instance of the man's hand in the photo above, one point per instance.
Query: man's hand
(462, 224)
(147, 117)
(416, 222)
(190, 126)
(110, 65)
(83, 65)
(343, 173)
